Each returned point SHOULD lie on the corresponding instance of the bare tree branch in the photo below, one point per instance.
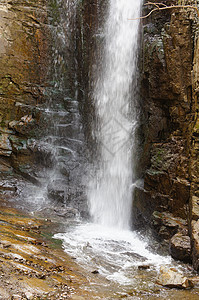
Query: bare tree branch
(162, 6)
(155, 4)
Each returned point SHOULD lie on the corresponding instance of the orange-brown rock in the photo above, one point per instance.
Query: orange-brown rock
(180, 247)
(24, 64)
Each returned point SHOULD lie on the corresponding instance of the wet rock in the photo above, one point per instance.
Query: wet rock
(33, 226)
(57, 191)
(7, 186)
(5, 146)
(158, 179)
(167, 225)
(95, 272)
(135, 256)
(172, 279)
(27, 172)
(180, 247)
(43, 152)
(68, 212)
(144, 205)
(19, 145)
(144, 267)
(25, 126)
(17, 257)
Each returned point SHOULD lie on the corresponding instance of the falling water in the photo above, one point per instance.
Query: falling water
(110, 192)
(107, 245)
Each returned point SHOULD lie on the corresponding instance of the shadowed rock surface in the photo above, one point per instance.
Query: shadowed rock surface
(168, 130)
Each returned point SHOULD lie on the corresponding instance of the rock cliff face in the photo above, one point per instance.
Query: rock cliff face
(169, 88)
(24, 73)
(46, 57)
(40, 71)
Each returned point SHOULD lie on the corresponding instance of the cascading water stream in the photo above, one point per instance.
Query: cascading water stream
(110, 195)
(107, 244)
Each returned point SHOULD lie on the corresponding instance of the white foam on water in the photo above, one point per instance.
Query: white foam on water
(114, 253)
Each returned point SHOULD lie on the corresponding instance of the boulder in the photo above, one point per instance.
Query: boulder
(180, 247)
(173, 279)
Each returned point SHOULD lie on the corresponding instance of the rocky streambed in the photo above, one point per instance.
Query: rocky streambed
(34, 266)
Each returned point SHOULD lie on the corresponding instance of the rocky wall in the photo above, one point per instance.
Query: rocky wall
(24, 65)
(168, 200)
(47, 54)
(194, 162)
(45, 47)
(90, 22)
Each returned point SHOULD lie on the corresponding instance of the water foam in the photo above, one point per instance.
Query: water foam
(115, 253)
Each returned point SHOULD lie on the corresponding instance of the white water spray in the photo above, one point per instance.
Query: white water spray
(110, 193)
(109, 246)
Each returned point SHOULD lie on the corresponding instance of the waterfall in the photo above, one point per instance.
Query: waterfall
(110, 190)
(106, 244)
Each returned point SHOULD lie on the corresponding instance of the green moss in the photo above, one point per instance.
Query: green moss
(158, 156)
(159, 159)
(54, 243)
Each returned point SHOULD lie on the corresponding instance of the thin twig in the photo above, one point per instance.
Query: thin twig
(164, 8)
(155, 4)
(150, 3)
